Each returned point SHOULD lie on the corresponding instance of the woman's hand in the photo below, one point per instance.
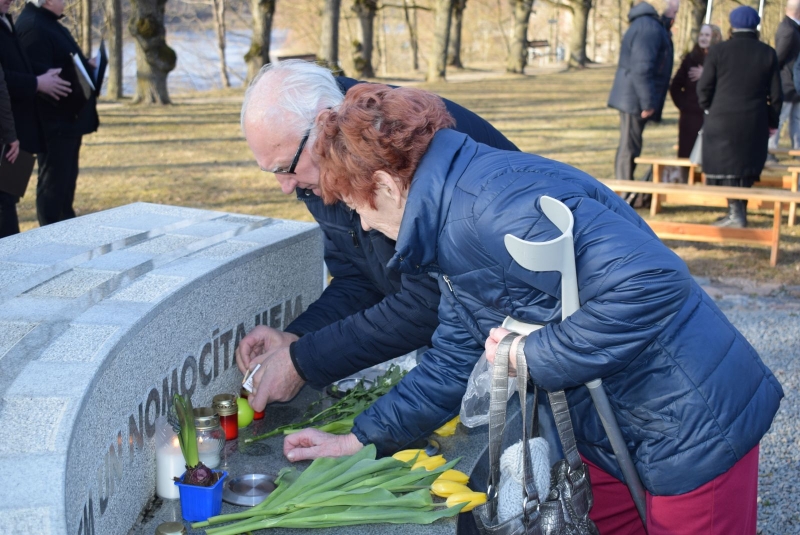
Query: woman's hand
(312, 443)
(695, 73)
(495, 336)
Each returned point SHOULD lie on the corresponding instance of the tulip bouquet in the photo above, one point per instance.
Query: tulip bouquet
(347, 491)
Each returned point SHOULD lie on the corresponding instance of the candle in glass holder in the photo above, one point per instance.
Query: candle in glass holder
(169, 464)
(228, 411)
(210, 437)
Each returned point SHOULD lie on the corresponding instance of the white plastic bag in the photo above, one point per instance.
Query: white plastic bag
(475, 403)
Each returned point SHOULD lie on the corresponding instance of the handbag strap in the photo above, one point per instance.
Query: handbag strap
(497, 417)
(560, 408)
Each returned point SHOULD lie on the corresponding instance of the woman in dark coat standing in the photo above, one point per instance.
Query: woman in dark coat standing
(683, 89)
(740, 91)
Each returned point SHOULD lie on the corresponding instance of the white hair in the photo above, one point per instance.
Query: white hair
(292, 93)
(37, 3)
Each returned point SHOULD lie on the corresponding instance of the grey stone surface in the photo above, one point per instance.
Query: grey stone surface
(104, 318)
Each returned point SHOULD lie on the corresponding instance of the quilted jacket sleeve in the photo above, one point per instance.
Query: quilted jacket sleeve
(429, 395)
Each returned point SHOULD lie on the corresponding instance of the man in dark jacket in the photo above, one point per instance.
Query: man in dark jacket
(641, 82)
(49, 45)
(369, 313)
(787, 46)
(23, 88)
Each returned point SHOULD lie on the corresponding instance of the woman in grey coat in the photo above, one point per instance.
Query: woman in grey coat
(740, 91)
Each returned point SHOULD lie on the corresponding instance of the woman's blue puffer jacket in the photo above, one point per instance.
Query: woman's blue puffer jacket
(691, 395)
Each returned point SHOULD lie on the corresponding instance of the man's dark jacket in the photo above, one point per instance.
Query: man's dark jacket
(21, 82)
(48, 45)
(8, 132)
(787, 46)
(645, 64)
(369, 313)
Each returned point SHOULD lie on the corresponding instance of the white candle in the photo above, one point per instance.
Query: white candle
(169, 464)
(208, 452)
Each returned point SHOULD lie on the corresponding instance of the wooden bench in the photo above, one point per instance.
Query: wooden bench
(709, 233)
(773, 176)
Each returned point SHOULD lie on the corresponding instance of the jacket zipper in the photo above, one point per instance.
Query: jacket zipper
(464, 313)
(355, 239)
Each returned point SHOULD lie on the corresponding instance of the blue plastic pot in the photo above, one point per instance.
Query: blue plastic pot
(201, 503)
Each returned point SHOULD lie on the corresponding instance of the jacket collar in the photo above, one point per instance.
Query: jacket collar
(428, 202)
(44, 12)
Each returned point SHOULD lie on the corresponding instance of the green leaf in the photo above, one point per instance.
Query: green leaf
(188, 435)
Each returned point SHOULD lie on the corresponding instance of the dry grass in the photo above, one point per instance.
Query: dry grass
(192, 154)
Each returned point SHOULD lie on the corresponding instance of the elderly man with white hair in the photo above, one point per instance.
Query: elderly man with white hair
(49, 45)
(369, 313)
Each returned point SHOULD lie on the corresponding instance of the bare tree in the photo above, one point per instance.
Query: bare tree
(154, 59)
(410, 13)
(518, 52)
(362, 50)
(698, 13)
(262, 11)
(114, 29)
(218, 6)
(456, 25)
(437, 64)
(329, 42)
(86, 27)
(580, 26)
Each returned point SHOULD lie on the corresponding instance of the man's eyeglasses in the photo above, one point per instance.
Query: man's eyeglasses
(293, 165)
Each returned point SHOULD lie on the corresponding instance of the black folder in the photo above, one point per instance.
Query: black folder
(100, 70)
(14, 177)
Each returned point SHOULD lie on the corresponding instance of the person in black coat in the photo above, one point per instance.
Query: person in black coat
(641, 82)
(787, 46)
(48, 45)
(740, 91)
(683, 89)
(23, 88)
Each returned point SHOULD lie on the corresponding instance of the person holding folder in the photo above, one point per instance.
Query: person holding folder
(49, 45)
(24, 86)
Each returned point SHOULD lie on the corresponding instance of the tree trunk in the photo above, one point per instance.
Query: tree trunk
(86, 27)
(698, 13)
(454, 46)
(329, 43)
(219, 24)
(580, 26)
(114, 29)
(258, 55)
(362, 51)
(437, 63)
(412, 31)
(518, 53)
(154, 59)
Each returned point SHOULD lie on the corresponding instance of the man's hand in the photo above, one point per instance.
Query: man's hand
(52, 85)
(495, 336)
(13, 151)
(260, 341)
(648, 113)
(695, 73)
(773, 131)
(276, 380)
(312, 443)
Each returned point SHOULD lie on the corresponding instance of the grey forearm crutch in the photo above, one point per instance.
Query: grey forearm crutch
(559, 255)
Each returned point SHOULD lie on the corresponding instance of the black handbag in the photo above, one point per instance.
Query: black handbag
(565, 510)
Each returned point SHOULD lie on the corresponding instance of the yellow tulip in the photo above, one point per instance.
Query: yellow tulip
(444, 488)
(472, 499)
(410, 455)
(449, 428)
(430, 463)
(454, 475)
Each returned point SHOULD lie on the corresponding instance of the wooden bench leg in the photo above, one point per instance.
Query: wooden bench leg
(691, 174)
(655, 202)
(793, 205)
(776, 234)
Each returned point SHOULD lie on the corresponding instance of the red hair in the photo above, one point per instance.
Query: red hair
(376, 128)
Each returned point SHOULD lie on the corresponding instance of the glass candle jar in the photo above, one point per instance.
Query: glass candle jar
(169, 460)
(210, 436)
(228, 410)
(256, 415)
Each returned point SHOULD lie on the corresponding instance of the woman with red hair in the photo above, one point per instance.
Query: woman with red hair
(691, 395)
